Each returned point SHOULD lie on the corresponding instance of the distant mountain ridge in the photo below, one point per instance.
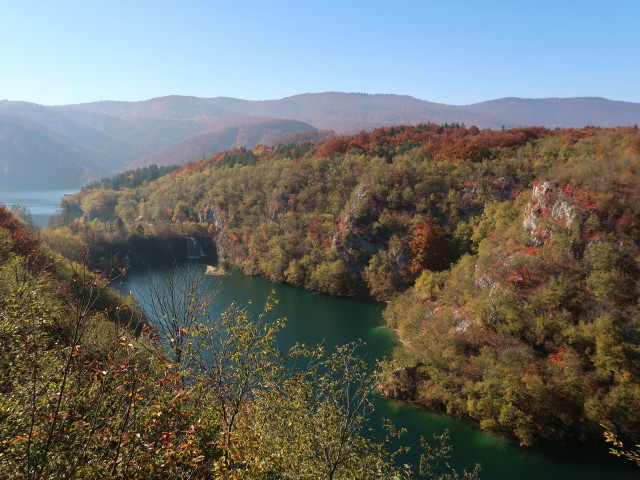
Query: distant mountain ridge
(345, 112)
(78, 143)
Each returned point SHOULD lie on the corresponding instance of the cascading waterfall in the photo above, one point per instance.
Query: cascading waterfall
(194, 249)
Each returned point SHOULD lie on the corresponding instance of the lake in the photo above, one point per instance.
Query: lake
(313, 318)
(41, 203)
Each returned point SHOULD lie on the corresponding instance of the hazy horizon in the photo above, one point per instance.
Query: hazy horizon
(317, 93)
(71, 52)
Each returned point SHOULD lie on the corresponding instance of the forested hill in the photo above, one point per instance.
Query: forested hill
(510, 258)
(247, 134)
(91, 389)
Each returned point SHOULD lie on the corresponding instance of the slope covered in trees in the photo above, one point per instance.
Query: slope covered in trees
(131, 178)
(510, 258)
(90, 388)
(245, 134)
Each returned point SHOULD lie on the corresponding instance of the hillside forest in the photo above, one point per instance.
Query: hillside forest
(91, 388)
(509, 258)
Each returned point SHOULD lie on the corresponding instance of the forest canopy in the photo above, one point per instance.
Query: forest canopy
(510, 259)
(89, 387)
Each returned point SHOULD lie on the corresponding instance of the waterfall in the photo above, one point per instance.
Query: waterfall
(194, 249)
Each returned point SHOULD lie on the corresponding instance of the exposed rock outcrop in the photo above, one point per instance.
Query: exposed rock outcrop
(218, 221)
(279, 206)
(546, 202)
(211, 270)
(213, 214)
(353, 242)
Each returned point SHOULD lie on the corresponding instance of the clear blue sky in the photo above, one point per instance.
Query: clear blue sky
(459, 52)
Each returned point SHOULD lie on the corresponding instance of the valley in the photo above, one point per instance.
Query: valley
(508, 270)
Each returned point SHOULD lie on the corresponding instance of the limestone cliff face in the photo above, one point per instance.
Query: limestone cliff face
(546, 202)
(279, 206)
(354, 242)
(362, 234)
(213, 214)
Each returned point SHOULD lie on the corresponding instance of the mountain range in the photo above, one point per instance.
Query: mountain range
(67, 145)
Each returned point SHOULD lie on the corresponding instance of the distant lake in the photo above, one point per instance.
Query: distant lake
(41, 203)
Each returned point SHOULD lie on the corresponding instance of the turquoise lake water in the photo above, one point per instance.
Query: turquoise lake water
(314, 318)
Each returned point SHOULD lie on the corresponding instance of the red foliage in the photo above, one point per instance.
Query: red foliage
(233, 238)
(190, 167)
(627, 224)
(428, 246)
(438, 142)
(524, 277)
(634, 146)
(535, 369)
(558, 357)
(520, 277)
(572, 135)
(583, 198)
(333, 147)
(529, 250)
(23, 242)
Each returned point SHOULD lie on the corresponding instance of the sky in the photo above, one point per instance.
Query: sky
(459, 52)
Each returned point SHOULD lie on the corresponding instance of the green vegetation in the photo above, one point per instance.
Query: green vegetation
(510, 259)
(132, 178)
(88, 390)
(534, 332)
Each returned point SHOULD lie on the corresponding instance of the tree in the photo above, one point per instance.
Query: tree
(177, 300)
(434, 460)
(428, 247)
(379, 276)
(235, 354)
(309, 420)
(84, 392)
(181, 212)
(23, 212)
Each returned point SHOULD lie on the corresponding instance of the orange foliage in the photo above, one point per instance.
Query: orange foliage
(558, 357)
(438, 142)
(634, 146)
(428, 247)
(333, 147)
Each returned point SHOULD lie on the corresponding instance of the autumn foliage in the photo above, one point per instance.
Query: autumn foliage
(429, 247)
(22, 241)
(509, 258)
